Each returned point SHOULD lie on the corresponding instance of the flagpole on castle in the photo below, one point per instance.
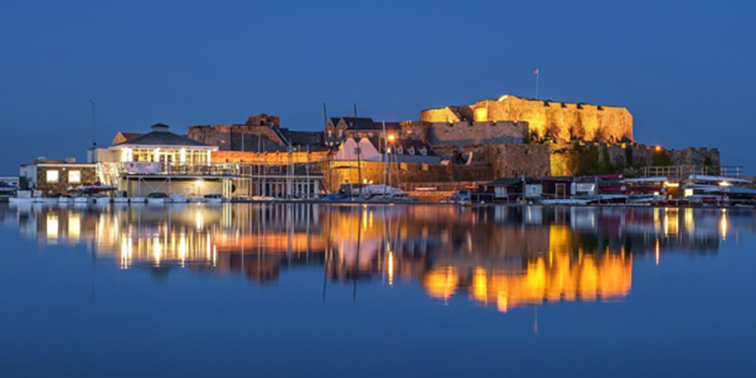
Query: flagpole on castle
(537, 76)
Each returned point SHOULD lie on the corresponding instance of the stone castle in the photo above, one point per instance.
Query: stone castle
(545, 118)
(506, 137)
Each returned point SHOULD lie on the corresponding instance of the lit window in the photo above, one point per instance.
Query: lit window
(52, 176)
(74, 177)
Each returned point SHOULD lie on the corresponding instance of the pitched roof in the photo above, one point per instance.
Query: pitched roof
(359, 123)
(160, 136)
(405, 144)
(129, 136)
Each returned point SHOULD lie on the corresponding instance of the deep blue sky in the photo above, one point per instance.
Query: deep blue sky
(684, 69)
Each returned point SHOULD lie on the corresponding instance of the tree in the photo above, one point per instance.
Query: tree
(606, 160)
(660, 159)
(629, 155)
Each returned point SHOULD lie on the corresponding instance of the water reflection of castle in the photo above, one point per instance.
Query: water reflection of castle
(503, 256)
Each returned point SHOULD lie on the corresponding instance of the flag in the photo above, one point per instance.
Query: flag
(537, 72)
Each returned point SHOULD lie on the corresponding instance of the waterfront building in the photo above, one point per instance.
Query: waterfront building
(55, 177)
(163, 161)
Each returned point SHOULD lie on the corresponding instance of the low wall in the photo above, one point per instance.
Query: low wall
(342, 172)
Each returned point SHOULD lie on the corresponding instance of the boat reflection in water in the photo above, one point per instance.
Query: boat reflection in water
(504, 257)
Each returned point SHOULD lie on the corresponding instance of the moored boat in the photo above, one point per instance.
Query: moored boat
(100, 200)
(157, 198)
(214, 198)
(177, 198)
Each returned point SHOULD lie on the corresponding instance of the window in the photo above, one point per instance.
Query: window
(74, 177)
(52, 176)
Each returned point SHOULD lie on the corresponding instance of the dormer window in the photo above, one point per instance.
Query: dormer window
(400, 150)
(411, 150)
(423, 151)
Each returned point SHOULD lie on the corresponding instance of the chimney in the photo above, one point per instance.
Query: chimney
(71, 160)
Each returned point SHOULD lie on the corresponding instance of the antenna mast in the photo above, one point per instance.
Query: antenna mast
(94, 118)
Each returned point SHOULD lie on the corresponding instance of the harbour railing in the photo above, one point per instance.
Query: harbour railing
(681, 172)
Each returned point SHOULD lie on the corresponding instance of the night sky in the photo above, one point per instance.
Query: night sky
(684, 69)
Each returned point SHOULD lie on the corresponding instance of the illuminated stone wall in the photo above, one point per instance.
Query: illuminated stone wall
(506, 160)
(558, 119)
(464, 133)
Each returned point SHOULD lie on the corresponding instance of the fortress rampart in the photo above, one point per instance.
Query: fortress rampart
(557, 120)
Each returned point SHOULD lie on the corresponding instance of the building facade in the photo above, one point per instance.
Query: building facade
(339, 129)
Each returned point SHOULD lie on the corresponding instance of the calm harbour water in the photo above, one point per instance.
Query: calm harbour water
(314, 290)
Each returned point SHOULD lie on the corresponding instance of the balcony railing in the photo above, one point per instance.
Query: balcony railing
(150, 168)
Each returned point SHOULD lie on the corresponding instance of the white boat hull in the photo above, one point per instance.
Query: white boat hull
(177, 199)
(45, 200)
(20, 200)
